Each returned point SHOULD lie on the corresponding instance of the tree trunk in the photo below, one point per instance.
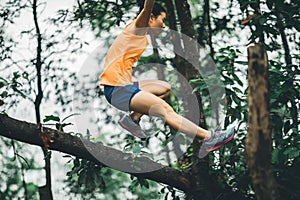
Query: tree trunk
(44, 191)
(200, 168)
(258, 141)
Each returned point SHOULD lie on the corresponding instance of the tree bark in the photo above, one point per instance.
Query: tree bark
(102, 155)
(210, 34)
(96, 152)
(258, 141)
(44, 191)
(38, 64)
(200, 168)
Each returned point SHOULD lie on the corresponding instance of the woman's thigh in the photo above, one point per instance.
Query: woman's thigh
(149, 104)
(156, 87)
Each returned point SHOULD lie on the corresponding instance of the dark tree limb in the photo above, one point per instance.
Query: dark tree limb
(63, 142)
(208, 21)
(45, 191)
(190, 70)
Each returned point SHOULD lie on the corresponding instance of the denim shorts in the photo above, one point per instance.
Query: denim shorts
(120, 96)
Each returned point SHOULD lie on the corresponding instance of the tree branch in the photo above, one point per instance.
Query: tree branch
(45, 191)
(63, 142)
(38, 63)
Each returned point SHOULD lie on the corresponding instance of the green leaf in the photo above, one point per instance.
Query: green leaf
(16, 75)
(51, 118)
(237, 90)
(222, 58)
(228, 81)
(237, 79)
(275, 155)
(73, 171)
(4, 94)
(3, 83)
(292, 152)
(82, 178)
(144, 183)
(279, 3)
(136, 149)
(241, 62)
(296, 25)
(100, 181)
(262, 20)
(270, 4)
(31, 187)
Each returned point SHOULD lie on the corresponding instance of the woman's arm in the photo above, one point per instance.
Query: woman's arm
(143, 18)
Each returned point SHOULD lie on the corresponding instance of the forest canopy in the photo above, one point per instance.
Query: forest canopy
(229, 63)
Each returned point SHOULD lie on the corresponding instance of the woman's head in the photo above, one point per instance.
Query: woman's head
(156, 10)
(158, 16)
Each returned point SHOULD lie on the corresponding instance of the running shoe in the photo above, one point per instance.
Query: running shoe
(134, 128)
(218, 138)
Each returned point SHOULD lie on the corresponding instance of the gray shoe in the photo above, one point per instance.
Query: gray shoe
(218, 138)
(127, 123)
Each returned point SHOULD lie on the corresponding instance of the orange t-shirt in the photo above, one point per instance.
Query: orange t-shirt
(121, 56)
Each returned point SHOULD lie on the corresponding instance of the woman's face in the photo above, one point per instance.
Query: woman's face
(157, 23)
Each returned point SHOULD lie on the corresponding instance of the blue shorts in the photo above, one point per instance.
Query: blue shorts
(120, 96)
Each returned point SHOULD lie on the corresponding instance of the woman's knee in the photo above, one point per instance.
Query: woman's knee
(166, 86)
(166, 89)
(157, 87)
(161, 110)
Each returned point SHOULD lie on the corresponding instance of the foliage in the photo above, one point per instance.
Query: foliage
(284, 91)
(6, 45)
(273, 13)
(103, 15)
(278, 19)
(13, 166)
(285, 127)
(18, 77)
(11, 88)
(90, 181)
(273, 21)
(236, 111)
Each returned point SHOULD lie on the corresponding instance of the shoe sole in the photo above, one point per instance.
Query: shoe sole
(132, 132)
(221, 143)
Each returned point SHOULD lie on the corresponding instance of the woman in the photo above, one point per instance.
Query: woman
(146, 97)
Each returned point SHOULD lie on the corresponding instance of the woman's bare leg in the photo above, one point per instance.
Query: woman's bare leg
(156, 87)
(150, 104)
